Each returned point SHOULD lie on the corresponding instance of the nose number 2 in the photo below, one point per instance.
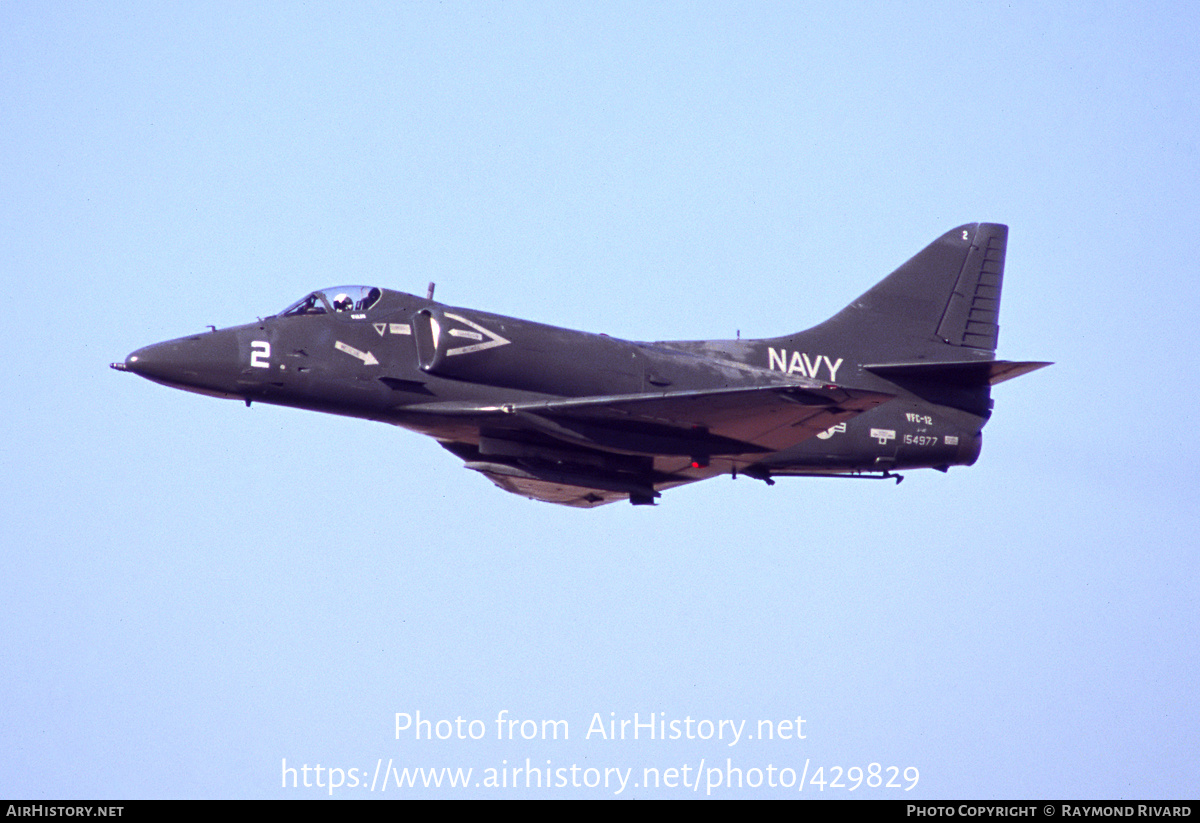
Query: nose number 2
(260, 350)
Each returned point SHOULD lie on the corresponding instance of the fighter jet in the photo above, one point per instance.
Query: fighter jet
(899, 379)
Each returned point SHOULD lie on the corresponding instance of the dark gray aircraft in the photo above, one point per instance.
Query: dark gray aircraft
(899, 379)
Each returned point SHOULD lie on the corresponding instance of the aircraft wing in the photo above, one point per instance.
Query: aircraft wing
(542, 483)
(743, 420)
(586, 452)
(727, 421)
(589, 451)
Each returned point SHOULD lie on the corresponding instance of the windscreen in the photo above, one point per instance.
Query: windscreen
(336, 299)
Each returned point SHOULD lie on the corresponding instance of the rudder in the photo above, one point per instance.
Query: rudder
(972, 315)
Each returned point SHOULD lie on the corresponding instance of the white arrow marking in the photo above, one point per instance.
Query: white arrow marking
(366, 357)
(492, 341)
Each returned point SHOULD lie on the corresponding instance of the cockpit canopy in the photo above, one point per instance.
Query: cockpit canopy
(335, 299)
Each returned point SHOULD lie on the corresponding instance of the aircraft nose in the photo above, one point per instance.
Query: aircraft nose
(207, 361)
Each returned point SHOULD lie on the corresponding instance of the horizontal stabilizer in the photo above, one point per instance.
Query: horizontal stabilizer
(969, 374)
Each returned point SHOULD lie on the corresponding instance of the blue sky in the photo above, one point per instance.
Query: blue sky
(193, 593)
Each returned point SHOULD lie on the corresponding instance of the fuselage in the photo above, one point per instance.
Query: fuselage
(398, 358)
(899, 379)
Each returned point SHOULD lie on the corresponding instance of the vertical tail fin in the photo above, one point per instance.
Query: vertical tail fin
(940, 305)
(930, 326)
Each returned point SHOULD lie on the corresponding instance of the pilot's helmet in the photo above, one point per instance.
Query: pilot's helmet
(343, 302)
